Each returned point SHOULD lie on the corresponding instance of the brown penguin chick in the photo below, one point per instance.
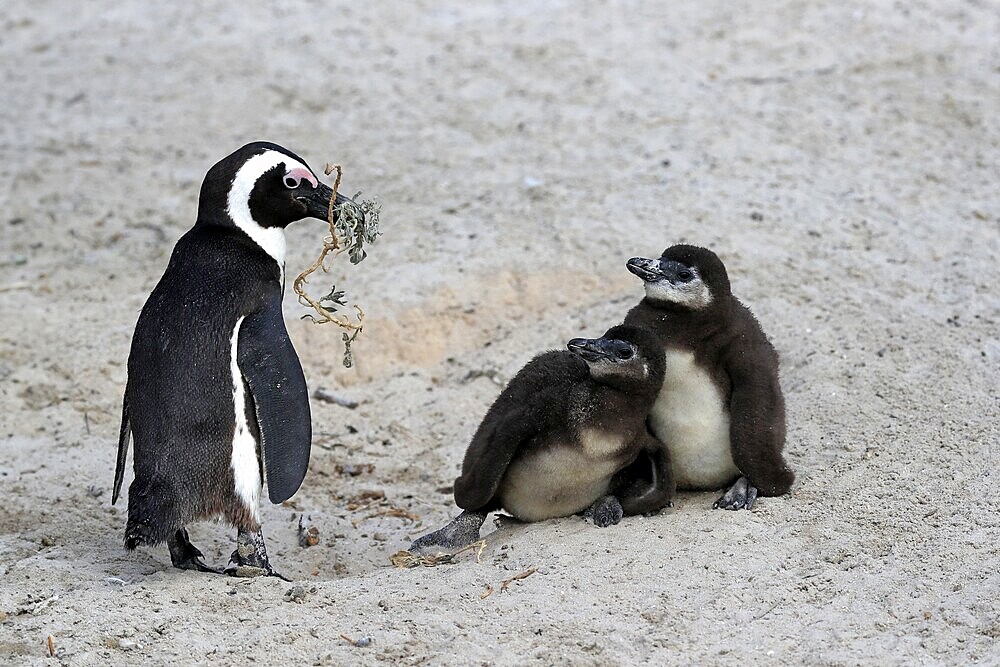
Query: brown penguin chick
(720, 410)
(565, 437)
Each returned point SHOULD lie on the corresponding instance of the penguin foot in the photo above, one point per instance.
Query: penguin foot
(248, 571)
(741, 495)
(606, 511)
(250, 557)
(186, 556)
(461, 531)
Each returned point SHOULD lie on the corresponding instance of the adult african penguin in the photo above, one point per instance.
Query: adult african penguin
(567, 435)
(720, 410)
(216, 402)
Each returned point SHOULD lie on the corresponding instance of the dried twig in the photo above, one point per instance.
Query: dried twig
(52, 647)
(396, 512)
(488, 592)
(479, 552)
(405, 559)
(362, 642)
(522, 575)
(330, 397)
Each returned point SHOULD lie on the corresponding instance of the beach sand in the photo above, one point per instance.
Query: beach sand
(840, 157)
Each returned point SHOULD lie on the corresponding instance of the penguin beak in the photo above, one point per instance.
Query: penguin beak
(591, 349)
(317, 201)
(647, 269)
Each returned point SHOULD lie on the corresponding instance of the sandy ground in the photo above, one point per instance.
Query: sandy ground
(841, 157)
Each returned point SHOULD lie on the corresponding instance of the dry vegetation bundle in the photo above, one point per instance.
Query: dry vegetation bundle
(353, 225)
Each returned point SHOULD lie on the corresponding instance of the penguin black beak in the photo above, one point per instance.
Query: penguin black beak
(317, 201)
(645, 268)
(591, 349)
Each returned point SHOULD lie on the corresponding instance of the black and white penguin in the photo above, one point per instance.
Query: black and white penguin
(564, 437)
(216, 402)
(720, 410)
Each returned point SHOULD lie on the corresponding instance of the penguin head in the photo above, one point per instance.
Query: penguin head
(684, 276)
(625, 356)
(262, 188)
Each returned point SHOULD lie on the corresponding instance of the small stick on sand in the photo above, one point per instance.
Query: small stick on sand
(523, 575)
(364, 641)
(488, 592)
(330, 397)
(479, 552)
(396, 512)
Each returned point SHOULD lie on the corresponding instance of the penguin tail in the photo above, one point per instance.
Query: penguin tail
(137, 534)
(123, 441)
(153, 512)
(133, 540)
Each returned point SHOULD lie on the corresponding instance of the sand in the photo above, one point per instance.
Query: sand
(840, 157)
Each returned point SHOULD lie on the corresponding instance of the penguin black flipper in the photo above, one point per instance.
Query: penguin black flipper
(268, 363)
(533, 398)
(489, 455)
(123, 441)
(757, 419)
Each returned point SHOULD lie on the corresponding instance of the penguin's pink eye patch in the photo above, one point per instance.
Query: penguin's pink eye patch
(294, 177)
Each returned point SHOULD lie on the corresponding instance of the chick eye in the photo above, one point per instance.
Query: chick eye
(292, 182)
(685, 275)
(624, 354)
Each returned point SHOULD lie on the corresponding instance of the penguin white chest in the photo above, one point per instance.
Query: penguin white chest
(244, 462)
(689, 417)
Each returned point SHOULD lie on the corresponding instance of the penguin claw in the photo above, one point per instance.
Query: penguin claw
(741, 495)
(186, 556)
(249, 571)
(250, 557)
(606, 511)
(197, 564)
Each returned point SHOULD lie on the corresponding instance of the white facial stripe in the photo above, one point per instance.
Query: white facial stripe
(270, 239)
(244, 462)
(694, 294)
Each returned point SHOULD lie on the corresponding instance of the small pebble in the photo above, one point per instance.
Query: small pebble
(296, 594)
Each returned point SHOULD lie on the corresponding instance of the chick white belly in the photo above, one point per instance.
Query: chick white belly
(557, 481)
(690, 419)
